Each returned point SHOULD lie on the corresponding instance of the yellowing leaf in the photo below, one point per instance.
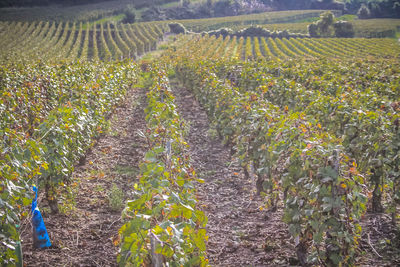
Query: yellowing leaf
(45, 165)
(169, 229)
(353, 170)
(116, 240)
(263, 146)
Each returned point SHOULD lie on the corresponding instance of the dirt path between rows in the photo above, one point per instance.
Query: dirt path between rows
(240, 233)
(84, 233)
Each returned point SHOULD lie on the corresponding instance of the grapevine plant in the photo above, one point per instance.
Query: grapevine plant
(364, 116)
(49, 117)
(162, 223)
(290, 152)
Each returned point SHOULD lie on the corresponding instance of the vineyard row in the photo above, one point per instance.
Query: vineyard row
(322, 136)
(163, 223)
(255, 48)
(50, 116)
(77, 41)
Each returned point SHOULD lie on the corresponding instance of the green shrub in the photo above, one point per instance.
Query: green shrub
(116, 198)
(343, 29)
(130, 16)
(223, 31)
(177, 28)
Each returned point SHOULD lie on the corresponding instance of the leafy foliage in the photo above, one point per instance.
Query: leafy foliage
(326, 27)
(130, 16)
(162, 221)
(50, 116)
(343, 29)
(177, 28)
(312, 134)
(255, 31)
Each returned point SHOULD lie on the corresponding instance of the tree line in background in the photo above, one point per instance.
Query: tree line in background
(217, 8)
(374, 9)
(220, 8)
(30, 3)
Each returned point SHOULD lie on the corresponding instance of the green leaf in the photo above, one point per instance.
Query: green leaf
(157, 230)
(336, 258)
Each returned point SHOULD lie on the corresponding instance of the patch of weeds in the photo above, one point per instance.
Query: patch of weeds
(113, 132)
(95, 202)
(106, 126)
(241, 235)
(269, 245)
(135, 103)
(67, 204)
(136, 145)
(124, 170)
(99, 188)
(171, 73)
(115, 198)
(212, 133)
(96, 174)
(228, 164)
(220, 181)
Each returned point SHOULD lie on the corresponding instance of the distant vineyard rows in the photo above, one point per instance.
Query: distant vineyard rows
(51, 41)
(368, 28)
(261, 18)
(269, 48)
